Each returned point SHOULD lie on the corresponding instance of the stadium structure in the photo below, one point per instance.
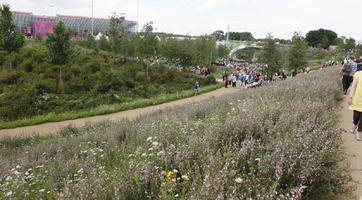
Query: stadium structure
(32, 25)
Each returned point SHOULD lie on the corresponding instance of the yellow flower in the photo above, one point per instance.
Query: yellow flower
(81, 151)
(169, 174)
(48, 192)
(178, 178)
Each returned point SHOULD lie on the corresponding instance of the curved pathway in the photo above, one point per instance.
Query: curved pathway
(353, 149)
(53, 127)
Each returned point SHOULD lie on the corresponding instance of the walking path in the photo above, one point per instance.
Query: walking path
(53, 127)
(353, 149)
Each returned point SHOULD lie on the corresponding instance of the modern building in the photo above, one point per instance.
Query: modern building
(31, 24)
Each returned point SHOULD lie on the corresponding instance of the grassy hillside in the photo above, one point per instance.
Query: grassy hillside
(91, 78)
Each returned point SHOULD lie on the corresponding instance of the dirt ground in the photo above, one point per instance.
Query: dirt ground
(53, 127)
(353, 148)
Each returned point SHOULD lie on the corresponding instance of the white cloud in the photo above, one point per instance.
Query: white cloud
(211, 5)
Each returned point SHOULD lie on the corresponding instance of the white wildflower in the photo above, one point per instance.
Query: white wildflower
(184, 177)
(18, 167)
(42, 190)
(155, 143)
(144, 155)
(176, 195)
(150, 149)
(17, 173)
(9, 193)
(80, 171)
(149, 138)
(175, 171)
(238, 180)
(160, 153)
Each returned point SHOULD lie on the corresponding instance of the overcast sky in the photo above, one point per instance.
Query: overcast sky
(195, 17)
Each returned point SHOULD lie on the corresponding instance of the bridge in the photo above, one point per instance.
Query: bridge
(239, 45)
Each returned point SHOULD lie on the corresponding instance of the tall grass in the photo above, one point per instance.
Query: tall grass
(274, 142)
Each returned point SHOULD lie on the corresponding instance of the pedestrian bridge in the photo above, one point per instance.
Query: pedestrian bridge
(235, 46)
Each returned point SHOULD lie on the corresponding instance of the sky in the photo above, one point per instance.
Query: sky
(281, 18)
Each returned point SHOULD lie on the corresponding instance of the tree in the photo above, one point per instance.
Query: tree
(148, 43)
(296, 57)
(243, 36)
(116, 31)
(88, 40)
(11, 40)
(350, 44)
(103, 43)
(222, 51)
(59, 48)
(321, 38)
(204, 50)
(270, 55)
(219, 35)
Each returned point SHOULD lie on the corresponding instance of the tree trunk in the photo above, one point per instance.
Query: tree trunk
(11, 62)
(61, 89)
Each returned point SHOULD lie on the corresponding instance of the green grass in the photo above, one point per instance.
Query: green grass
(106, 109)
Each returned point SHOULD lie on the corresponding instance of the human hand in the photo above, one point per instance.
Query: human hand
(349, 101)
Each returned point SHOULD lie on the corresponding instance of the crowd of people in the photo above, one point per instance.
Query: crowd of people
(351, 73)
(249, 75)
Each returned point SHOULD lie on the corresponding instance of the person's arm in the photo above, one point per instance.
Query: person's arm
(353, 90)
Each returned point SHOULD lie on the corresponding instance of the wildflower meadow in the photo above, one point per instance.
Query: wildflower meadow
(278, 141)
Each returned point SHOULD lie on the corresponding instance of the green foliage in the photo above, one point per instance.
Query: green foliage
(116, 33)
(219, 35)
(58, 44)
(270, 55)
(321, 38)
(148, 42)
(11, 40)
(222, 51)
(241, 36)
(359, 50)
(204, 51)
(88, 40)
(297, 52)
(87, 82)
(103, 43)
(350, 44)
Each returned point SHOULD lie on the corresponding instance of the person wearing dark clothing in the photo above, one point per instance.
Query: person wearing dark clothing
(196, 88)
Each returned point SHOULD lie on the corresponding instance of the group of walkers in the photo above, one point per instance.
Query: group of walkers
(351, 72)
(248, 75)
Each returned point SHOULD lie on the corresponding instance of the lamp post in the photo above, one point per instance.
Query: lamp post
(137, 18)
(92, 18)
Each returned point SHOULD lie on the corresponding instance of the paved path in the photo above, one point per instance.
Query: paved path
(53, 127)
(353, 148)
